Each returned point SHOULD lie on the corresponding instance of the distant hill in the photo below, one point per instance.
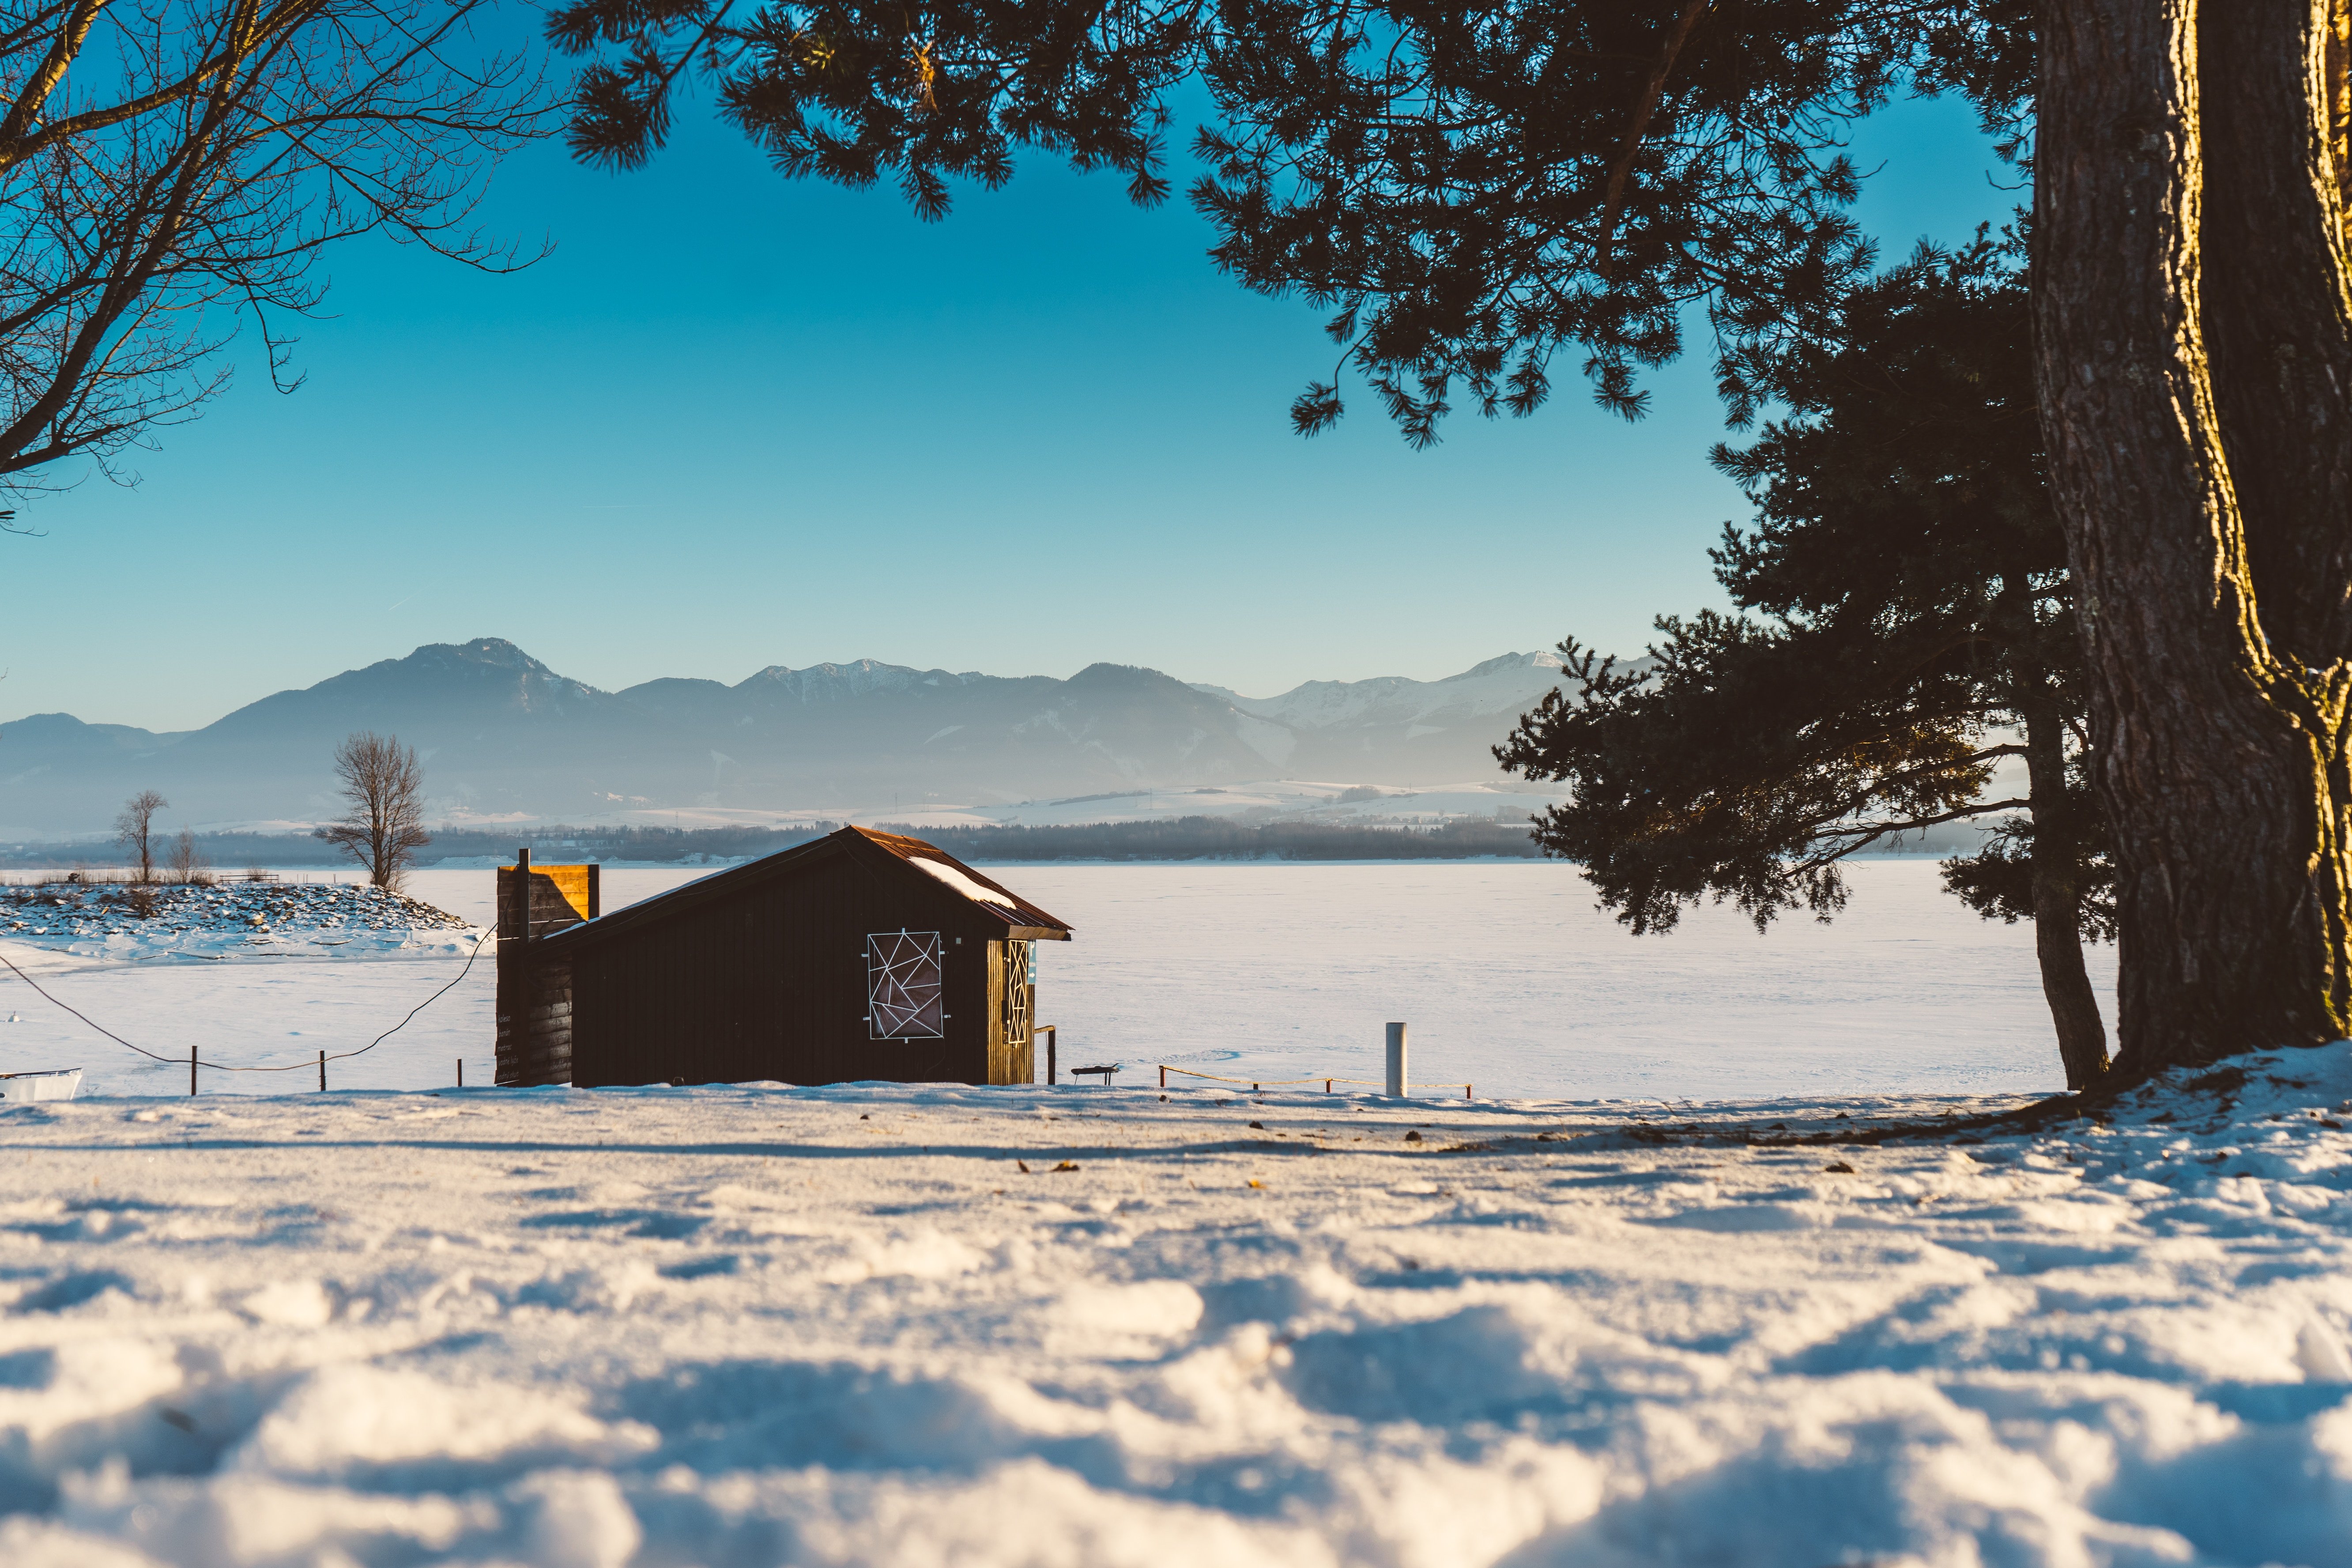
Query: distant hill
(501, 733)
(1407, 731)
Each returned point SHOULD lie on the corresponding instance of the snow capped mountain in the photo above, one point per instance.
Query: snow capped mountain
(499, 733)
(1404, 730)
(839, 682)
(1506, 684)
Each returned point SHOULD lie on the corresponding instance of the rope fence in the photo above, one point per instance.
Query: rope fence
(193, 1062)
(1256, 1086)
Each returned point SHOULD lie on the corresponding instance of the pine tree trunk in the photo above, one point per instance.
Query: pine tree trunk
(2058, 903)
(2196, 359)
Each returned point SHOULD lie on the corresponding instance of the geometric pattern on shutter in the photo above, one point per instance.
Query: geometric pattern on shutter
(1017, 973)
(904, 986)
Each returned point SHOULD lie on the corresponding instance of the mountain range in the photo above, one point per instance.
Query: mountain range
(501, 735)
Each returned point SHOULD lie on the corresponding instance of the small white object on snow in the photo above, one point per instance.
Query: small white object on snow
(30, 1087)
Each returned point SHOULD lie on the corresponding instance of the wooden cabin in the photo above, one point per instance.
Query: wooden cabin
(858, 956)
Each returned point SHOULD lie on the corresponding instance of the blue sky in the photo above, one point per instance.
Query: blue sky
(734, 421)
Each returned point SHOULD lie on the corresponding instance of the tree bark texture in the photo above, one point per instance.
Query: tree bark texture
(2058, 901)
(2195, 341)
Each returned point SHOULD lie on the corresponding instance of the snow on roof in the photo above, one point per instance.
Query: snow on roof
(969, 887)
(997, 902)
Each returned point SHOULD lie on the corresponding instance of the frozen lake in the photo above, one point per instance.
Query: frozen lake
(1508, 976)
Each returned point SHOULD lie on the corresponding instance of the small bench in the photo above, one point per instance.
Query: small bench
(1102, 1072)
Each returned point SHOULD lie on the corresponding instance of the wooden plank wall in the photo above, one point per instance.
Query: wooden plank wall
(1011, 1055)
(771, 983)
(534, 991)
(534, 1014)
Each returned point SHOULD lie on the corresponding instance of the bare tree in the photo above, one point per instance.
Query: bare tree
(186, 862)
(385, 824)
(169, 166)
(134, 828)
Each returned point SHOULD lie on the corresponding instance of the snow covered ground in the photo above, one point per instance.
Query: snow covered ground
(750, 1326)
(1508, 976)
(1617, 1323)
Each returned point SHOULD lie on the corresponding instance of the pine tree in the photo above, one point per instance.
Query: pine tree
(1909, 626)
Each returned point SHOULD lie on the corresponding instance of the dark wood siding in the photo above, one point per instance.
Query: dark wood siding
(771, 983)
(534, 1023)
(534, 990)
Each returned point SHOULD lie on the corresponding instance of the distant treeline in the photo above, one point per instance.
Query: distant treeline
(1189, 837)
(1215, 839)
(558, 844)
(222, 851)
(1184, 838)
(235, 851)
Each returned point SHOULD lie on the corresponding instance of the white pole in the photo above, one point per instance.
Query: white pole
(1396, 1061)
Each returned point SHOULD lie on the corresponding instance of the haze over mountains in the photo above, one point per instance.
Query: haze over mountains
(503, 735)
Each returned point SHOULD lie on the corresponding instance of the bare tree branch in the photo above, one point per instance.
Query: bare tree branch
(384, 826)
(134, 829)
(169, 168)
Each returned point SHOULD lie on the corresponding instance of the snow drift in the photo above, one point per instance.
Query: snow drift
(758, 1325)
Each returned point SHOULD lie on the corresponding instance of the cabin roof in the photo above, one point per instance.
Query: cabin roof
(934, 868)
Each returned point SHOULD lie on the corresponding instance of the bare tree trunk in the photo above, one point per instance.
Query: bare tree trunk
(134, 829)
(386, 823)
(2191, 312)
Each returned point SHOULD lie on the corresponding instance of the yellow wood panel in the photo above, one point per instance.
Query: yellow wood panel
(571, 881)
